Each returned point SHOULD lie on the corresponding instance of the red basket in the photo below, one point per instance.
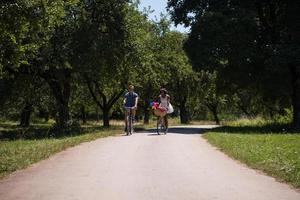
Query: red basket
(159, 113)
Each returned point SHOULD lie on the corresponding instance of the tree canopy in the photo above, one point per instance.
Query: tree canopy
(73, 60)
(253, 45)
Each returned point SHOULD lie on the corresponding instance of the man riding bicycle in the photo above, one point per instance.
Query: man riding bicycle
(130, 104)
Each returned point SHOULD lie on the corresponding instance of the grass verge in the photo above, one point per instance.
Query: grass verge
(274, 152)
(19, 154)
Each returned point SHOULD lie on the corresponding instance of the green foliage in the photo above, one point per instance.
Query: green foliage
(251, 44)
(67, 59)
(26, 27)
(81, 47)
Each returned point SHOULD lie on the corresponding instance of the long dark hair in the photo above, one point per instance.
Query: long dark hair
(164, 90)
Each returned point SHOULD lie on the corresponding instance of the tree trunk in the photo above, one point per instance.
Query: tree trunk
(146, 111)
(25, 115)
(63, 113)
(146, 115)
(100, 98)
(61, 90)
(46, 117)
(62, 95)
(215, 113)
(97, 115)
(83, 114)
(105, 117)
(295, 72)
(148, 95)
(184, 115)
(214, 110)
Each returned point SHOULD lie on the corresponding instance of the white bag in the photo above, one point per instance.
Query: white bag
(170, 109)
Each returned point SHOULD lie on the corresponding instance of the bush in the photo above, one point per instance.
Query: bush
(72, 127)
(287, 118)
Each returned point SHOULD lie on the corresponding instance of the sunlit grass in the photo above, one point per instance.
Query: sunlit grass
(19, 154)
(261, 146)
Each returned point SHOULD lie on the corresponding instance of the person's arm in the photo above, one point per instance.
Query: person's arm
(125, 99)
(136, 101)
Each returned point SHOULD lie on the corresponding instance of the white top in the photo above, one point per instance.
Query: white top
(164, 101)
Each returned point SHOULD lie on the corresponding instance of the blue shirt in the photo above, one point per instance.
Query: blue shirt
(130, 99)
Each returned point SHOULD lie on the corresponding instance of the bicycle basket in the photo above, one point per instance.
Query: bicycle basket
(159, 113)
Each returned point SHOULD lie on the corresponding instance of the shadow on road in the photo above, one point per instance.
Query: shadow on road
(264, 129)
(177, 130)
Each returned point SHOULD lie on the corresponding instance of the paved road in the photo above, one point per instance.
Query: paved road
(180, 165)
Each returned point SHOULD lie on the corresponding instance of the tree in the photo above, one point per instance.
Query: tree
(81, 102)
(38, 34)
(225, 36)
(150, 72)
(140, 63)
(27, 94)
(279, 31)
(207, 93)
(53, 61)
(176, 69)
(100, 47)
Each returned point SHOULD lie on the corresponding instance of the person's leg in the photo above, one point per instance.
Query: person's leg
(126, 114)
(133, 113)
(166, 122)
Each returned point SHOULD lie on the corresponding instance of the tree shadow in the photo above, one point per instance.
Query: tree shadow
(188, 130)
(36, 132)
(176, 130)
(154, 134)
(262, 129)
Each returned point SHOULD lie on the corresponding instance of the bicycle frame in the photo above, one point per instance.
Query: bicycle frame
(129, 123)
(161, 126)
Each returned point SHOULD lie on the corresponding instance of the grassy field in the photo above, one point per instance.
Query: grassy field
(20, 153)
(267, 147)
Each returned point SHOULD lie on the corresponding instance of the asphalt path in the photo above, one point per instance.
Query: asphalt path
(180, 165)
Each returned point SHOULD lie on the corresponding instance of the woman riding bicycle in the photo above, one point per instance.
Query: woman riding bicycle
(164, 100)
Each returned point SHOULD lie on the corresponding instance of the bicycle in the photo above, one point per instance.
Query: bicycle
(161, 126)
(160, 113)
(129, 123)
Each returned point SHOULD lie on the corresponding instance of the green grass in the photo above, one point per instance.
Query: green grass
(266, 147)
(19, 154)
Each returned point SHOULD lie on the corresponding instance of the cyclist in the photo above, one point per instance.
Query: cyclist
(164, 100)
(130, 103)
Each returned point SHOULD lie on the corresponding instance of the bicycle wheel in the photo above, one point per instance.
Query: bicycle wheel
(160, 127)
(128, 125)
(131, 124)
